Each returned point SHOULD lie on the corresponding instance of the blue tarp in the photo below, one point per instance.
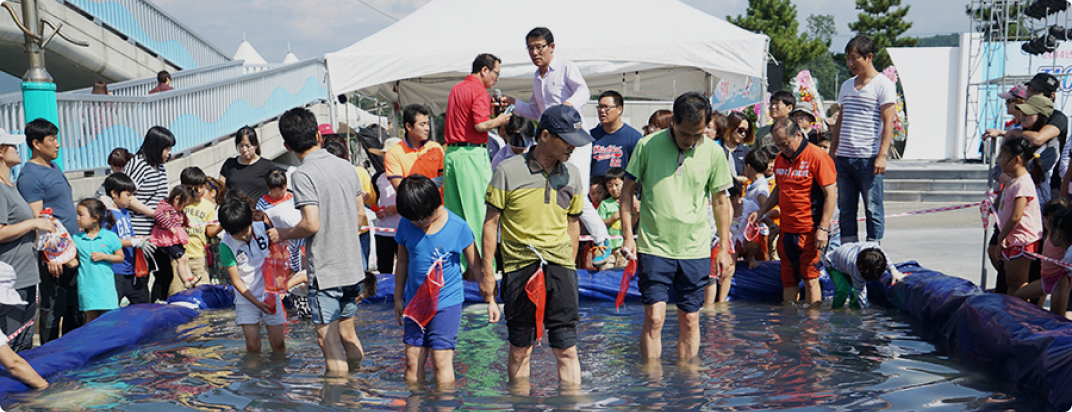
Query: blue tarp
(206, 297)
(997, 333)
(116, 329)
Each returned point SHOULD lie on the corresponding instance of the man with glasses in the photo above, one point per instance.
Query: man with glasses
(466, 166)
(537, 199)
(679, 170)
(559, 82)
(806, 196)
(615, 140)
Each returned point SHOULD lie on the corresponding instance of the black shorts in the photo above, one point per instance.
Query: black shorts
(560, 311)
(175, 251)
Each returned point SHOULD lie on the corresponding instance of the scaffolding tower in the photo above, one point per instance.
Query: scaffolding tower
(998, 28)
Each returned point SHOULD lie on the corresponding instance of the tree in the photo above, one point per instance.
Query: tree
(828, 72)
(884, 21)
(940, 40)
(778, 20)
(822, 27)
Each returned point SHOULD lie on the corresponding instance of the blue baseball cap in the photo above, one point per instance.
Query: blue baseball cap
(564, 121)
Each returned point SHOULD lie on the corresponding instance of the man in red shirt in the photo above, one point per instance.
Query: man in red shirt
(466, 166)
(806, 195)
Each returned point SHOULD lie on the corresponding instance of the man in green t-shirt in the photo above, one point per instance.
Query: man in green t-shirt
(678, 171)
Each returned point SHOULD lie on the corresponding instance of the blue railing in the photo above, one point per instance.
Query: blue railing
(92, 125)
(154, 29)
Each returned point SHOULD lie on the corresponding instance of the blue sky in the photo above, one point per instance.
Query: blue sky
(269, 25)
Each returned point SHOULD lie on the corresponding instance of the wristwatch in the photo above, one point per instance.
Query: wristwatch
(823, 229)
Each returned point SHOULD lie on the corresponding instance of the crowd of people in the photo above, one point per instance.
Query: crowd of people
(687, 198)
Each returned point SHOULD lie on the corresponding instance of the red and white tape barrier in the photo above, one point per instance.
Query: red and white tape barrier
(1060, 263)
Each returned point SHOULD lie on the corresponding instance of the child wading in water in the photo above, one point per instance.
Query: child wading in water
(1019, 213)
(431, 239)
(168, 232)
(97, 251)
(242, 252)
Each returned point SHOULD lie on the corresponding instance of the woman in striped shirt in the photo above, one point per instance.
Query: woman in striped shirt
(147, 171)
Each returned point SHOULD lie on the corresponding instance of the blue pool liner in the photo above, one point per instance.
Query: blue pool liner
(206, 297)
(1000, 334)
(997, 333)
(116, 329)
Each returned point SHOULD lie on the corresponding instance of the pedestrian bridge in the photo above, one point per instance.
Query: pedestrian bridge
(128, 39)
(213, 96)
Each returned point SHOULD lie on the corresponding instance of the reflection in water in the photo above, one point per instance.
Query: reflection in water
(753, 356)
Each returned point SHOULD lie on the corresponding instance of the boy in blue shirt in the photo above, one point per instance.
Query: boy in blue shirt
(120, 188)
(432, 239)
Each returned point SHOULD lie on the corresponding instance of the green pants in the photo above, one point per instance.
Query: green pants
(842, 290)
(466, 174)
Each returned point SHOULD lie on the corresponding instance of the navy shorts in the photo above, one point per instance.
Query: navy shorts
(687, 277)
(329, 305)
(441, 332)
(175, 251)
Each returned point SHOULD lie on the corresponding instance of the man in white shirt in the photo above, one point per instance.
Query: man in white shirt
(559, 81)
(861, 139)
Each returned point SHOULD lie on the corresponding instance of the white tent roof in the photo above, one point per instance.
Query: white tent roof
(290, 58)
(650, 48)
(248, 54)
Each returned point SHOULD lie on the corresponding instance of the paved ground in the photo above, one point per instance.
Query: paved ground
(949, 242)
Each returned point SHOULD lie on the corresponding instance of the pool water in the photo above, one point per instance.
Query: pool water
(754, 356)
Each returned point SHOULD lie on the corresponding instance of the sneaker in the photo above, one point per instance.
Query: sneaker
(602, 259)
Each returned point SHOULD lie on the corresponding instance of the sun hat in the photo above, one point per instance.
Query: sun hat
(11, 139)
(1036, 105)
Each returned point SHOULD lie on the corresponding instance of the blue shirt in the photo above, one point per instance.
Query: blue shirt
(612, 150)
(48, 185)
(124, 229)
(423, 249)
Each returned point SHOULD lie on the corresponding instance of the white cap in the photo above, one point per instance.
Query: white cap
(11, 139)
(8, 295)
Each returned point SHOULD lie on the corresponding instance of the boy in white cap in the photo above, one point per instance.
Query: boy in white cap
(11, 361)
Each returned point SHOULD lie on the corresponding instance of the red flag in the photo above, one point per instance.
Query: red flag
(627, 277)
(536, 289)
(425, 303)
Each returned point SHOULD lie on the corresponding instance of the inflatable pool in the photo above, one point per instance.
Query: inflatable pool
(994, 333)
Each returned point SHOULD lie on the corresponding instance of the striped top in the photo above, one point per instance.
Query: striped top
(843, 259)
(861, 116)
(152, 188)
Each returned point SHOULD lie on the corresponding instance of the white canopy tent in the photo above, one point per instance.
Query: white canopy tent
(653, 49)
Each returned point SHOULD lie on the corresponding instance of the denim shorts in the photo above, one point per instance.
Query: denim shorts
(687, 278)
(441, 332)
(329, 305)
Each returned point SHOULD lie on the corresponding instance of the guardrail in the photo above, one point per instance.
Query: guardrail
(154, 29)
(92, 125)
(184, 79)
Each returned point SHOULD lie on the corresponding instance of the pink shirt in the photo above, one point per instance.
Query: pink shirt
(1030, 229)
(1050, 270)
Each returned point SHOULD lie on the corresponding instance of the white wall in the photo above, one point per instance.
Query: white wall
(934, 100)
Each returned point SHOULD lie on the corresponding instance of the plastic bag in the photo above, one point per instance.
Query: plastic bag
(425, 303)
(57, 246)
(141, 267)
(274, 270)
(627, 277)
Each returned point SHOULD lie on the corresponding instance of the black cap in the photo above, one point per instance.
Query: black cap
(1043, 83)
(564, 121)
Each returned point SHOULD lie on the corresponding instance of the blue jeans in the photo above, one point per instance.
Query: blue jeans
(856, 178)
(366, 240)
